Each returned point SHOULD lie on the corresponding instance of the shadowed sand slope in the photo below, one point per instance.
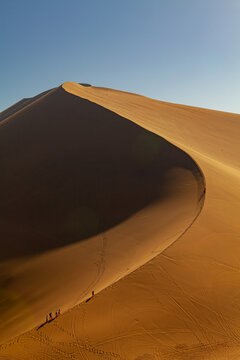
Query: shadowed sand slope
(72, 169)
(87, 196)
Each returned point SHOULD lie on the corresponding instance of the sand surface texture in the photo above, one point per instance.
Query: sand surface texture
(133, 198)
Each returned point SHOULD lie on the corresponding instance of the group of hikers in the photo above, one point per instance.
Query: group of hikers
(50, 317)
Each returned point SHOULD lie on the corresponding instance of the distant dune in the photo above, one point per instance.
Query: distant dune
(133, 198)
(20, 105)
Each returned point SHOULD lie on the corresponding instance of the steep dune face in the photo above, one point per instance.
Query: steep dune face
(87, 196)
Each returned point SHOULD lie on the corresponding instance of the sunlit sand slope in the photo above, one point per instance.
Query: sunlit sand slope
(87, 197)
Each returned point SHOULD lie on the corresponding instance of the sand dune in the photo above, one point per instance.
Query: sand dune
(88, 196)
(90, 148)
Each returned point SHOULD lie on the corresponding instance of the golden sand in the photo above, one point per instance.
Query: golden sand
(105, 190)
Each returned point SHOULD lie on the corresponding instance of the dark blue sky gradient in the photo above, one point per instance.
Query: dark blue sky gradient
(183, 51)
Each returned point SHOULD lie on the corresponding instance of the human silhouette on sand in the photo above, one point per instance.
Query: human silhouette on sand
(90, 297)
(50, 318)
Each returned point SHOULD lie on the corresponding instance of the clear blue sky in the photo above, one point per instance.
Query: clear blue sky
(182, 51)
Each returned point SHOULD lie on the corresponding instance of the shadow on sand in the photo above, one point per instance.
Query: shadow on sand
(47, 322)
(71, 169)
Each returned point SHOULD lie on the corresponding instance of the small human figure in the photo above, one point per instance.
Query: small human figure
(92, 293)
(58, 312)
(50, 316)
(46, 318)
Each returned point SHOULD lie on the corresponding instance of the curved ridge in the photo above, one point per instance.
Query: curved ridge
(147, 194)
